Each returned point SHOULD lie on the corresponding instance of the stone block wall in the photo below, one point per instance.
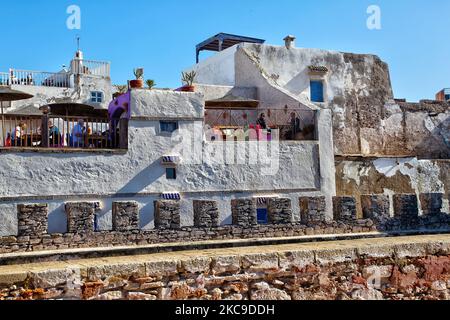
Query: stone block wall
(312, 209)
(344, 209)
(81, 216)
(125, 216)
(167, 214)
(32, 219)
(405, 206)
(375, 207)
(431, 203)
(33, 235)
(244, 212)
(279, 211)
(399, 269)
(206, 214)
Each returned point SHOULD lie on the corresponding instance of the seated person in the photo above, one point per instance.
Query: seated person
(16, 138)
(78, 134)
(8, 140)
(54, 135)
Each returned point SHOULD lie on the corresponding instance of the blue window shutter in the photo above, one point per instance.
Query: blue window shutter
(317, 91)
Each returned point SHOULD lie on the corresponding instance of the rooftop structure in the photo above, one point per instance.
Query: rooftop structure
(443, 95)
(222, 41)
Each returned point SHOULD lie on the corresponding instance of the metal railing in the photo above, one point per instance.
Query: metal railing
(37, 78)
(63, 132)
(20, 131)
(90, 67)
(290, 124)
(4, 78)
(82, 132)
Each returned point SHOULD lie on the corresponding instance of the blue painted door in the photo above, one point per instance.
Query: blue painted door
(262, 216)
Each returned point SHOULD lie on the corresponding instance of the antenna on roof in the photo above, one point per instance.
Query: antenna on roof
(78, 43)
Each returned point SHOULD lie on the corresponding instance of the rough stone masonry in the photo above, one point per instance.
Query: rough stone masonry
(408, 268)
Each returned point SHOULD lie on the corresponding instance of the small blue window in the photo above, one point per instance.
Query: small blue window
(447, 97)
(317, 91)
(262, 216)
(171, 174)
(168, 126)
(96, 97)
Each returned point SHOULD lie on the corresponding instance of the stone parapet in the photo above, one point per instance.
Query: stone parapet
(405, 206)
(32, 219)
(344, 209)
(125, 216)
(206, 214)
(81, 216)
(244, 212)
(376, 207)
(431, 203)
(167, 214)
(279, 211)
(313, 210)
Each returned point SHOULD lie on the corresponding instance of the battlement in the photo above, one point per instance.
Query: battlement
(83, 232)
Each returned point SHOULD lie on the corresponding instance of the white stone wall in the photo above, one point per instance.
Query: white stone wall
(139, 175)
(79, 93)
(166, 104)
(218, 69)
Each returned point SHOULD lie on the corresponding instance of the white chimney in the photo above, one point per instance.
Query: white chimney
(289, 41)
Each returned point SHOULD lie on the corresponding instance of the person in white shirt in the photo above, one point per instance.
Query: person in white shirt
(17, 134)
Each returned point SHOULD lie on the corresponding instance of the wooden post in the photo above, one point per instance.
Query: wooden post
(123, 133)
(44, 131)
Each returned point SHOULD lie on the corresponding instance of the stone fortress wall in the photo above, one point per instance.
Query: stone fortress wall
(410, 268)
(82, 233)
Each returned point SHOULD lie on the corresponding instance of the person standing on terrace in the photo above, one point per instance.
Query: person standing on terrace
(262, 121)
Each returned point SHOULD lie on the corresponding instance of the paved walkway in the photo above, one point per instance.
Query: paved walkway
(11, 272)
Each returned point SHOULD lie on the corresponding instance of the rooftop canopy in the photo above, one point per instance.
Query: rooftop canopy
(232, 102)
(223, 41)
(75, 109)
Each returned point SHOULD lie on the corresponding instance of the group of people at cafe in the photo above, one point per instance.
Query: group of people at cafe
(77, 138)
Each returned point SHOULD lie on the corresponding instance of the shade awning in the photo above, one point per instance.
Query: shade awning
(75, 109)
(232, 102)
(25, 111)
(8, 94)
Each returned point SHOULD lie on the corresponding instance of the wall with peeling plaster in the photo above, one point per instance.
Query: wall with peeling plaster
(366, 118)
(392, 176)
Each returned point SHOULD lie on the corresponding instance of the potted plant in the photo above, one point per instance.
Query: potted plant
(139, 82)
(120, 91)
(188, 79)
(150, 83)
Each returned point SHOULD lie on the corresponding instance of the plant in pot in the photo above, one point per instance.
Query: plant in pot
(150, 83)
(139, 82)
(188, 79)
(120, 91)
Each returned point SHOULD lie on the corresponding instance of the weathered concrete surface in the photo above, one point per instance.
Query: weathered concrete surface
(392, 176)
(166, 104)
(366, 118)
(78, 93)
(410, 268)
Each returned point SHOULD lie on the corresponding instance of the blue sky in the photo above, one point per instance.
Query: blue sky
(161, 35)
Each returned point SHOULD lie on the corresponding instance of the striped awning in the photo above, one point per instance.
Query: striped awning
(264, 200)
(170, 160)
(170, 196)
